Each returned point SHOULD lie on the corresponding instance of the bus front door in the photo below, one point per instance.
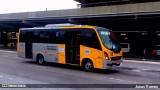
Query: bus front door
(28, 45)
(73, 47)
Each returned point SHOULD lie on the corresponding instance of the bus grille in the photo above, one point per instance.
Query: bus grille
(116, 58)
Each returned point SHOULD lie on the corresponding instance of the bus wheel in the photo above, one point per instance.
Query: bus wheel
(88, 66)
(40, 59)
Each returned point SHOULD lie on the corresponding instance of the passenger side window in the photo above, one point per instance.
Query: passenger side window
(36, 37)
(61, 37)
(45, 36)
(22, 37)
(89, 38)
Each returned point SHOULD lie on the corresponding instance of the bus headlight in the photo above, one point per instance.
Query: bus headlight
(106, 56)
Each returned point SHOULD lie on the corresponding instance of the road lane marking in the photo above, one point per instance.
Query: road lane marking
(135, 82)
(39, 66)
(118, 79)
(8, 51)
(147, 62)
(11, 56)
(111, 78)
(122, 80)
(137, 70)
(10, 78)
(145, 69)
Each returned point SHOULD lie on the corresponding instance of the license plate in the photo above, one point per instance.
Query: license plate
(118, 62)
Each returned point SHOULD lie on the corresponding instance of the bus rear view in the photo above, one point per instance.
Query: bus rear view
(81, 45)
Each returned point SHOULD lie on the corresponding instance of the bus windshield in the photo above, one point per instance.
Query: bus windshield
(109, 40)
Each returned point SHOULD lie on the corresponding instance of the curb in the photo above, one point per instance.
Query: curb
(7, 51)
(145, 62)
(144, 59)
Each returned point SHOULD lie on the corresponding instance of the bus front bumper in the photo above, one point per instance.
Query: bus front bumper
(107, 64)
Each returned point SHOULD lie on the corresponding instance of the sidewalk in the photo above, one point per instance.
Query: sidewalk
(128, 56)
(144, 59)
(8, 49)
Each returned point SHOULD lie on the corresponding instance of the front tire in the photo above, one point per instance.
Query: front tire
(88, 66)
(40, 59)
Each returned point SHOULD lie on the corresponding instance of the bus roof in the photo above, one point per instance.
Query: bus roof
(66, 25)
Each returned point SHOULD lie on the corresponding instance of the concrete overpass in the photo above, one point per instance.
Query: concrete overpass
(80, 15)
(104, 11)
(141, 18)
(93, 3)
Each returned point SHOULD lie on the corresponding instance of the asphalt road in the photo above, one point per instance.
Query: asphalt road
(15, 70)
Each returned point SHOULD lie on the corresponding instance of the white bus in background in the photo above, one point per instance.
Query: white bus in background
(125, 47)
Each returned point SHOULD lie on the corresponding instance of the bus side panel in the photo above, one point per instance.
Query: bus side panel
(61, 53)
(38, 48)
(49, 51)
(21, 51)
(97, 54)
(93, 54)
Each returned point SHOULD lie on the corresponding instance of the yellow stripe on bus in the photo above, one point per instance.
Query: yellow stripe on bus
(49, 53)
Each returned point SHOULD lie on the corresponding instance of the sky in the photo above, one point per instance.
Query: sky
(14, 6)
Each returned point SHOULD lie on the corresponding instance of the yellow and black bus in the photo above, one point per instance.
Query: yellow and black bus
(82, 45)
